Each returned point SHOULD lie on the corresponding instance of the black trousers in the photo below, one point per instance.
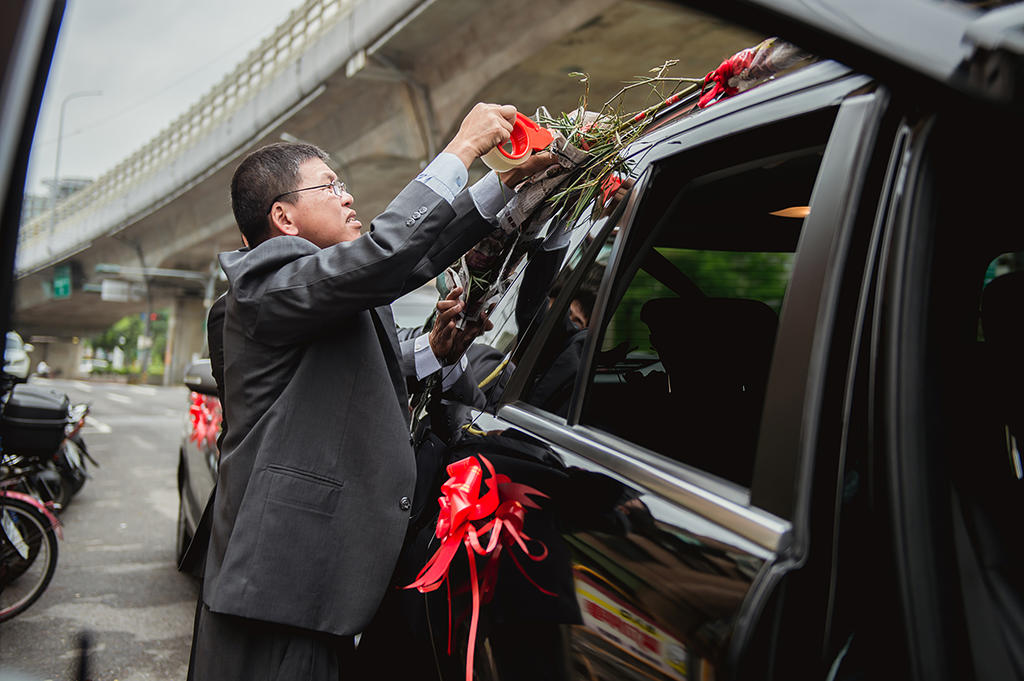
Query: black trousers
(229, 648)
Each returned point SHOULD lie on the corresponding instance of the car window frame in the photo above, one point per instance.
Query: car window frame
(812, 89)
(726, 488)
(715, 498)
(32, 26)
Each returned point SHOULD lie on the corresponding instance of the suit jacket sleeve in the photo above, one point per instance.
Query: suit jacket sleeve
(287, 288)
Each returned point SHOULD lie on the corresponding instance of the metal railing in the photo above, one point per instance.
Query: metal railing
(276, 52)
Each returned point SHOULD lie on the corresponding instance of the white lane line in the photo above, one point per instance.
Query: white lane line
(98, 425)
(84, 387)
(123, 399)
(143, 389)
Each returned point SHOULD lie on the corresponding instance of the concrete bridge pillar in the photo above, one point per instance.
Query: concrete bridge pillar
(63, 357)
(186, 337)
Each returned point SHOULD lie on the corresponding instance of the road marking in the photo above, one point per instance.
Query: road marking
(84, 387)
(144, 389)
(115, 548)
(119, 398)
(98, 425)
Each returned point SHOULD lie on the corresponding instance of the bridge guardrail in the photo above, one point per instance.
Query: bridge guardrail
(40, 240)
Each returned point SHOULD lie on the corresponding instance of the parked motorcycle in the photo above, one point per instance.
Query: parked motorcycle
(40, 434)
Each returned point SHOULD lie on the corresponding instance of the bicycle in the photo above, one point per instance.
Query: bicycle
(28, 550)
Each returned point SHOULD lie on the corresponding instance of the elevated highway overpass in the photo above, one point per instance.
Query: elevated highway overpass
(381, 85)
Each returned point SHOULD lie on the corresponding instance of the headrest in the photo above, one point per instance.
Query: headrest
(731, 335)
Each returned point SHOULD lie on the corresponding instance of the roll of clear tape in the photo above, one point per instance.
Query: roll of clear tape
(500, 163)
(525, 138)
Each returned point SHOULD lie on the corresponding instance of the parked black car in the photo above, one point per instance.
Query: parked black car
(198, 455)
(774, 447)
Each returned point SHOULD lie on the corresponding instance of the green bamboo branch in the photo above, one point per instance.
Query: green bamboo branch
(610, 132)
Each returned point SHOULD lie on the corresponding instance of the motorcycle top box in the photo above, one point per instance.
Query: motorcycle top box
(32, 421)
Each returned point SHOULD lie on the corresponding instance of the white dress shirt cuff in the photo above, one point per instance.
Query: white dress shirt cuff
(490, 195)
(423, 356)
(446, 175)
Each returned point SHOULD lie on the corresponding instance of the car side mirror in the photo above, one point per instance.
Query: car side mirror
(199, 378)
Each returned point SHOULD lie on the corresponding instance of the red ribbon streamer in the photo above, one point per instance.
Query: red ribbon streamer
(719, 78)
(502, 511)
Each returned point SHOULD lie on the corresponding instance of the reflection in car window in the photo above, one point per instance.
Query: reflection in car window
(550, 387)
(556, 253)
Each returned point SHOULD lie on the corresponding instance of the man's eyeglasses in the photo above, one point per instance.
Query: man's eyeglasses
(338, 187)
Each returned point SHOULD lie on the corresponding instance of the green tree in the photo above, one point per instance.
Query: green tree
(125, 333)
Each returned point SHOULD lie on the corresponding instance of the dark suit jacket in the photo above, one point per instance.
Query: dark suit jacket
(317, 470)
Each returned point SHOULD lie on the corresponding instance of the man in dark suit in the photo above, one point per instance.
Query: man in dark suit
(317, 471)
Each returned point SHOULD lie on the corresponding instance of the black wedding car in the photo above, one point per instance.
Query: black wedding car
(768, 395)
(771, 396)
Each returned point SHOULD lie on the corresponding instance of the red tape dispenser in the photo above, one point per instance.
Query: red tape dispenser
(527, 137)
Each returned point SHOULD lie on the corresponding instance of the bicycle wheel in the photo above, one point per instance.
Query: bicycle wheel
(28, 555)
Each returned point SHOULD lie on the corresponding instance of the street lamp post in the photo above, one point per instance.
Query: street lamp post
(56, 162)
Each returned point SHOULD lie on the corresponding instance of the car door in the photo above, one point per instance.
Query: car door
(674, 426)
(944, 408)
(925, 551)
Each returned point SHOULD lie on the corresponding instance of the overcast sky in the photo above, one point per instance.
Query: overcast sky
(151, 59)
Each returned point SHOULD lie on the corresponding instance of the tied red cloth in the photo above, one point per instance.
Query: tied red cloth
(205, 415)
(718, 80)
(482, 522)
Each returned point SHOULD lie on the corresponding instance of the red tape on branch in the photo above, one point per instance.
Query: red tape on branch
(718, 80)
(483, 522)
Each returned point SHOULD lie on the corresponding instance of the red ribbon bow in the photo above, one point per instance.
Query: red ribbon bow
(502, 511)
(719, 78)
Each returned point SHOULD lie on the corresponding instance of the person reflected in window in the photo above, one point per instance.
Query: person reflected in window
(553, 386)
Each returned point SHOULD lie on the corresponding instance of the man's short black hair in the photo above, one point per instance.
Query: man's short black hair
(586, 297)
(263, 175)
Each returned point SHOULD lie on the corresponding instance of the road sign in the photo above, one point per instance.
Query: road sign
(62, 281)
(120, 291)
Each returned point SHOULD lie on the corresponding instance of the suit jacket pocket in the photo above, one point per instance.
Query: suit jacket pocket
(301, 489)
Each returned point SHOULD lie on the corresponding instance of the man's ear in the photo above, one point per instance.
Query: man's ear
(281, 220)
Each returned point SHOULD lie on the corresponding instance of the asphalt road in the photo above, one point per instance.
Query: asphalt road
(115, 575)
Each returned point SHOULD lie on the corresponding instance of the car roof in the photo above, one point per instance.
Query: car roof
(935, 48)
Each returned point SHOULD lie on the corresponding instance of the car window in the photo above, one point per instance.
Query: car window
(682, 358)
(554, 254)
(559, 250)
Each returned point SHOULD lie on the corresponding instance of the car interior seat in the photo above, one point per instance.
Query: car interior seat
(716, 353)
